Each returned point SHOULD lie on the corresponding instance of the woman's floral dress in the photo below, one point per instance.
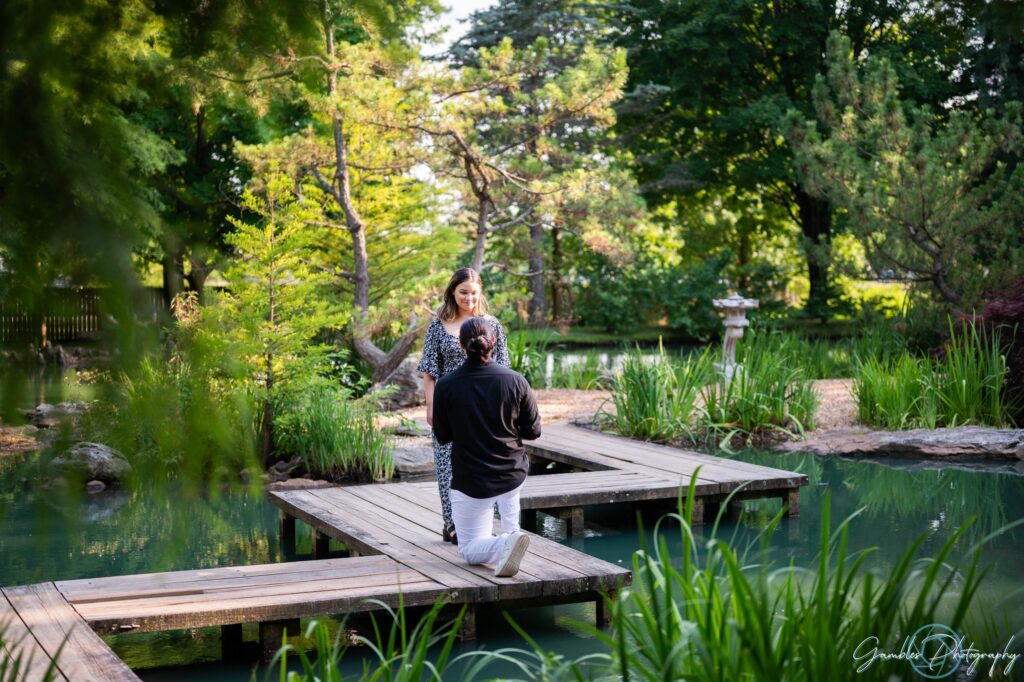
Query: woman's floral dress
(443, 354)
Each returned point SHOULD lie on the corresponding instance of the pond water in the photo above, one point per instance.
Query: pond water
(46, 536)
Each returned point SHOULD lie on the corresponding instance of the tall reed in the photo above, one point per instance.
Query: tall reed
(656, 399)
(715, 614)
(767, 393)
(964, 386)
(403, 654)
(335, 435)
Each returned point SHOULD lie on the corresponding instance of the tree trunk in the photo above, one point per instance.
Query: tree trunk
(816, 227)
(538, 307)
(267, 430)
(340, 188)
(557, 299)
(482, 211)
(174, 271)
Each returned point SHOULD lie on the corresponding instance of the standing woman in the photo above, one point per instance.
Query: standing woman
(443, 354)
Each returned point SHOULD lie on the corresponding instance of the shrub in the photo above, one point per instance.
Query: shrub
(528, 357)
(175, 417)
(335, 435)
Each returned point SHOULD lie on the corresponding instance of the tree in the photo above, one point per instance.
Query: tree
(275, 309)
(930, 196)
(710, 83)
(553, 119)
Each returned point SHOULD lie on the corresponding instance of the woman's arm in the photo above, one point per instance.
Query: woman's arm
(428, 391)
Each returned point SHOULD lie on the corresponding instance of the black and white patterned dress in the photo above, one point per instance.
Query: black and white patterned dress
(442, 354)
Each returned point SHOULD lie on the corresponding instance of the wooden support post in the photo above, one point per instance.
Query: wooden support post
(272, 635)
(286, 526)
(528, 520)
(791, 502)
(321, 545)
(604, 609)
(467, 628)
(231, 648)
(698, 512)
(573, 517)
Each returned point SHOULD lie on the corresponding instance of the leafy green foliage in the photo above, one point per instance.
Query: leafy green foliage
(929, 193)
(402, 653)
(658, 400)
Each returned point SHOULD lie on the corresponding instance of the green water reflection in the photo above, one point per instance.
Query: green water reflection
(47, 535)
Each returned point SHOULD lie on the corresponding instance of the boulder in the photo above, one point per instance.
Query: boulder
(405, 386)
(961, 443)
(45, 415)
(299, 484)
(93, 461)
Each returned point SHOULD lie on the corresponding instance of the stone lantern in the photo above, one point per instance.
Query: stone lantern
(735, 322)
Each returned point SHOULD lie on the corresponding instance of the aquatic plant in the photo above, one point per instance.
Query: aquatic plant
(335, 435)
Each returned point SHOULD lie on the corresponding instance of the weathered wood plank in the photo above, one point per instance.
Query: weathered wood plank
(52, 620)
(556, 578)
(184, 582)
(619, 446)
(370, 537)
(602, 574)
(33, 661)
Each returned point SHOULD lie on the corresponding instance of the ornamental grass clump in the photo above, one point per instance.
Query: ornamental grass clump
(715, 613)
(768, 394)
(965, 385)
(335, 435)
(656, 399)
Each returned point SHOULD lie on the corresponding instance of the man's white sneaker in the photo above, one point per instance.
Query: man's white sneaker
(512, 554)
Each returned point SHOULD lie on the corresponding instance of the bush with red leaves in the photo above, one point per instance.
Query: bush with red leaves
(1004, 309)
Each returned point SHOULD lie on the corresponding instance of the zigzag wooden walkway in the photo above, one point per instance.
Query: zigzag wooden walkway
(403, 521)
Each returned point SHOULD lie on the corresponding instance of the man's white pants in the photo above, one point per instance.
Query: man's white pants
(474, 524)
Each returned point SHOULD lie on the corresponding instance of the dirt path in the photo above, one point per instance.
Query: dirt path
(837, 409)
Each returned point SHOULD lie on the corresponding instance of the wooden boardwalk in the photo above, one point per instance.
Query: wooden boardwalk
(622, 470)
(403, 521)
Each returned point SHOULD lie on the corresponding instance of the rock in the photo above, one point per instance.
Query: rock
(93, 461)
(962, 443)
(45, 416)
(414, 459)
(93, 487)
(406, 386)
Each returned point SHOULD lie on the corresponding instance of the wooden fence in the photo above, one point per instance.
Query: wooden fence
(66, 315)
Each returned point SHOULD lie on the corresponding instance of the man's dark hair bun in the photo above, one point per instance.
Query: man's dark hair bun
(477, 339)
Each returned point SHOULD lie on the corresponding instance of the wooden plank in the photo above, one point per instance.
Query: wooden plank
(34, 663)
(327, 600)
(577, 456)
(601, 574)
(430, 542)
(326, 515)
(555, 578)
(602, 441)
(165, 602)
(728, 473)
(184, 582)
(84, 656)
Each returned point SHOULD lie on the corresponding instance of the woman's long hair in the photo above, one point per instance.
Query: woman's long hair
(449, 309)
(477, 338)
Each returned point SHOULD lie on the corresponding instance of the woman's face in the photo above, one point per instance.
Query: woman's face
(467, 295)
